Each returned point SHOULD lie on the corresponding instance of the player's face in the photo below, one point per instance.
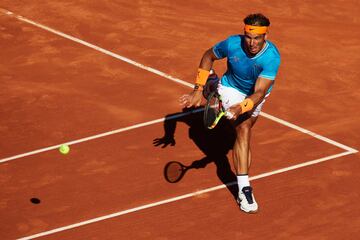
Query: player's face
(254, 42)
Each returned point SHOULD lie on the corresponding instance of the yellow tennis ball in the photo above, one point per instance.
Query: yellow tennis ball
(64, 149)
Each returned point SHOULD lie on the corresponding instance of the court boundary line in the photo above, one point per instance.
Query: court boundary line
(182, 197)
(144, 124)
(348, 151)
(97, 48)
(155, 71)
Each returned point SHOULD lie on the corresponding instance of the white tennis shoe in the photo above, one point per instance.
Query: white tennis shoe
(246, 200)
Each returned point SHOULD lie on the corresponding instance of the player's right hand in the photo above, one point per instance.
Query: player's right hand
(192, 99)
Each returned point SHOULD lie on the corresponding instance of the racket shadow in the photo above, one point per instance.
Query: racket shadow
(214, 143)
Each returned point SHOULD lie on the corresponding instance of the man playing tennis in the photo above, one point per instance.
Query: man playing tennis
(252, 65)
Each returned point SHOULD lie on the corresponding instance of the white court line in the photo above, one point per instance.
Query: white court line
(290, 125)
(303, 130)
(97, 48)
(348, 149)
(181, 197)
(100, 135)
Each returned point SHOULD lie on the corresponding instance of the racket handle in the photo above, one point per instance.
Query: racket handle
(229, 115)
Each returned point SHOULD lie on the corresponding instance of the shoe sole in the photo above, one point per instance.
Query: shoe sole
(249, 211)
(244, 210)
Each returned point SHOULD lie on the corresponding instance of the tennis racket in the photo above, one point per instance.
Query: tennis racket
(214, 110)
(174, 171)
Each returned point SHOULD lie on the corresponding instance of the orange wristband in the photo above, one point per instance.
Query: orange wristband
(246, 105)
(202, 76)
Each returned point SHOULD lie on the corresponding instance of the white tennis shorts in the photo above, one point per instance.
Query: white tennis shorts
(231, 96)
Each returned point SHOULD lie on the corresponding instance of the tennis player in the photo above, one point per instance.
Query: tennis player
(252, 65)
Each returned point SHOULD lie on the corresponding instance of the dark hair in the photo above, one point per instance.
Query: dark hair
(257, 19)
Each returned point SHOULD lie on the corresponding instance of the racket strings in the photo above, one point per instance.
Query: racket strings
(214, 110)
(220, 105)
(174, 172)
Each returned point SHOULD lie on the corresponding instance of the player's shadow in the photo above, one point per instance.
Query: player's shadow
(214, 143)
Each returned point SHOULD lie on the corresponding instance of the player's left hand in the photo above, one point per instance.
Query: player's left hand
(164, 141)
(191, 100)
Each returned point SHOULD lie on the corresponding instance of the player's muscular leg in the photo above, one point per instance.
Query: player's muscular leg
(241, 150)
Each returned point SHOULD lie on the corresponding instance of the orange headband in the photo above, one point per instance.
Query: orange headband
(255, 29)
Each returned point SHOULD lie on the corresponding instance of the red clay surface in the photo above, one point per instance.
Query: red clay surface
(55, 90)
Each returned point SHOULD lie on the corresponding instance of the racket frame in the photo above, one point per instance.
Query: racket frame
(167, 169)
(221, 113)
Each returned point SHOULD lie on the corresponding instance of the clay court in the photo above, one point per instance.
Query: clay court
(105, 78)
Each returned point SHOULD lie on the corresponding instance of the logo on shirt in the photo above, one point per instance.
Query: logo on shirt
(235, 59)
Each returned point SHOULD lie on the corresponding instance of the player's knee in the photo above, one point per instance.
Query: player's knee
(244, 128)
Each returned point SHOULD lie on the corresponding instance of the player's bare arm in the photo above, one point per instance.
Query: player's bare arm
(207, 60)
(194, 98)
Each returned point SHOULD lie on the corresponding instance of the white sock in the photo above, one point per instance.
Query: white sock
(243, 181)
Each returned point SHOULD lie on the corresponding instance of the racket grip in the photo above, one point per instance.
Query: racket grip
(229, 115)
